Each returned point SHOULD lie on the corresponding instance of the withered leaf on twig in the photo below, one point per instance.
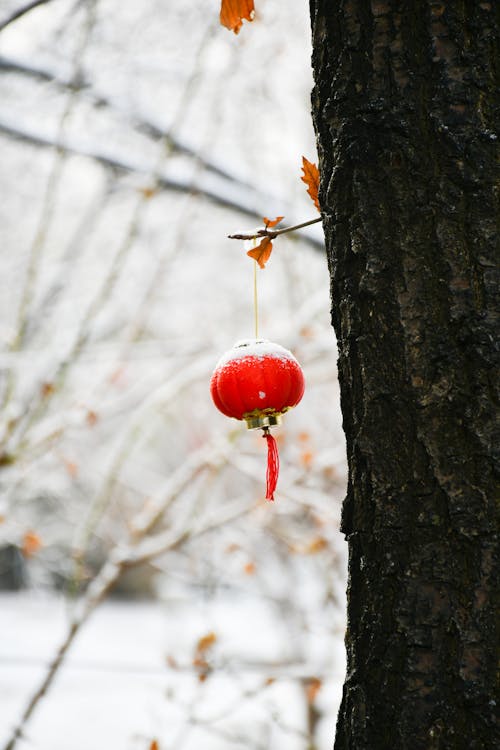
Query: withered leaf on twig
(233, 12)
(311, 178)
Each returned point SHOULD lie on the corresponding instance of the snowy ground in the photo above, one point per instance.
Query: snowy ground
(120, 687)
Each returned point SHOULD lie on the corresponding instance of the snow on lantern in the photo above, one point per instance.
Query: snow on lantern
(258, 381)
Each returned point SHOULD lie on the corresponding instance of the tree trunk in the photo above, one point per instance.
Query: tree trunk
(404, 111)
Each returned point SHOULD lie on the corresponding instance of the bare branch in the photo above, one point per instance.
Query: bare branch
(48, 204)
(38, 695)
(20, 12)
(142, 124)
(145, 521)
(120, 559)
(273, 233)
(163, 183)
(120, 165)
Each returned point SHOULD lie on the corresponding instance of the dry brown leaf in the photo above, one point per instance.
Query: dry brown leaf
(91, 418)
(317, 545)
(270, 223)
(47, 389)
(31, 544)
(200, 657)
(70, 466)
(307, 332)
(233, 12)
(205, 643)
(250, 569)
(262, 252)
(148, 192)
(306, 459)
(318, 520)
(330, 472)
(312, 689)
(311, 178)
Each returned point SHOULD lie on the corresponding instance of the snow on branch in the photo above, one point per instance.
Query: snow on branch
(20, 12)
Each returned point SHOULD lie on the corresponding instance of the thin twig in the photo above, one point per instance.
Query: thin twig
(47, 209)
(106, 580)
(163, 183)
(36, 697)
(143, 522)
(184, 220)
(272, 233)
(141, 550)
(103, 101)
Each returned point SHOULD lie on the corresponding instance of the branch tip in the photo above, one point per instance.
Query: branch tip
(273, 233)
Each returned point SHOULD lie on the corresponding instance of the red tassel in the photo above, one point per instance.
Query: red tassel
(273, 465)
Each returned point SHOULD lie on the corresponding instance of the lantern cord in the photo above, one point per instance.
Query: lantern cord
(273, 464)
(255, 300)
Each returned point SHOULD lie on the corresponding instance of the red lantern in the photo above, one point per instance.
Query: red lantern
(258, 381)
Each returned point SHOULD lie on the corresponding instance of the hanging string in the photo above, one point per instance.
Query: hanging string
(273, 464)
(273, 459)
(255, 299)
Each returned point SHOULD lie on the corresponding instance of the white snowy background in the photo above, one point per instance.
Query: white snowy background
(134, 137)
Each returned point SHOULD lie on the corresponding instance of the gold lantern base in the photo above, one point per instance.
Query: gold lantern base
(258, 421)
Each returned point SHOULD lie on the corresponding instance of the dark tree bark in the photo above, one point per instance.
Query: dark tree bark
(405, 114)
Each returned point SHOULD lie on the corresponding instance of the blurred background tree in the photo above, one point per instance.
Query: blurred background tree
(133, 139)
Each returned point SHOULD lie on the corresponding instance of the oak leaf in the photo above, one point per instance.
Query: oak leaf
(311, 178)
(262, 252)
(270, 223)
(232, 13)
